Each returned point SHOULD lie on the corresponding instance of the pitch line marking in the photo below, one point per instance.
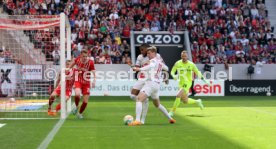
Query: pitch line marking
(2, 125)
(44, 144)
(260, 111)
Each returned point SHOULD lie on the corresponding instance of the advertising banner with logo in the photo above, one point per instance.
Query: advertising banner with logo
(216, 88)
(9, 77)
(32, 72)
(159, 38)
(123, 88)
(250, 87)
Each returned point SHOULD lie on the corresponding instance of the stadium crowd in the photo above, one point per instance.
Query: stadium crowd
(221, 31)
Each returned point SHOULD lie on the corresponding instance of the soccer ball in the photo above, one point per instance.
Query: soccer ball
(128, 119)
(268, 94)
(12, 100)
(106, 94)
(34, 94)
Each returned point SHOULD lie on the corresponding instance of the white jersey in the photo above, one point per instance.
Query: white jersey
(144, 61)
(154, 70)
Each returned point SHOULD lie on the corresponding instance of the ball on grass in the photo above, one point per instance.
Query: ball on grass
(128, 119)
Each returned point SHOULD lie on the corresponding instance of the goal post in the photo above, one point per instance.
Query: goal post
(33, 51)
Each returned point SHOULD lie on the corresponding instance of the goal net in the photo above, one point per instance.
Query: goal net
(32, 53)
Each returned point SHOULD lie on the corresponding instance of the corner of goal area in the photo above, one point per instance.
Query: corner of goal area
(2, 125)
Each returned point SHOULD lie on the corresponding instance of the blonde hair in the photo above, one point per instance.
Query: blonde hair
(152, 49)
(84, 51)
(184, 51)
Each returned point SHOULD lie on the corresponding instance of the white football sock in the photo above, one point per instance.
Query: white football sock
(139, 108)
(163, 110)
(145, 110)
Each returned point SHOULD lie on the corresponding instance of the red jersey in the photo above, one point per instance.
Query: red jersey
(70, 79)
(83, 69)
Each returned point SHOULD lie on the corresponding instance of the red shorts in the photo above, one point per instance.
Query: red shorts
(67, 92)
(85, 88)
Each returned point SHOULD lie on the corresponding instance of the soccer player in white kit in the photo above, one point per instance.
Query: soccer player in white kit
(142, 60)
(151, 86)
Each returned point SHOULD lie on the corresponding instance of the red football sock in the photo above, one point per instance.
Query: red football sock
(83, 106)
(77, 100)
(58, 107)
(51, 101)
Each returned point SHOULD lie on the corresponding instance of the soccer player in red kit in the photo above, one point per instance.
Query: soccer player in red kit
(70, 80)
(84, 67)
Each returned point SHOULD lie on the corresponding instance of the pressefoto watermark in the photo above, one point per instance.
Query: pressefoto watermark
(51, 74)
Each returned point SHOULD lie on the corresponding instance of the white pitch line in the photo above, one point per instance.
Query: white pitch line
(260, 111)
(44, 144)
(2, 125)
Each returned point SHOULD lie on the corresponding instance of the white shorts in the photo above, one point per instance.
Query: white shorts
(151, 89)
(139, 85)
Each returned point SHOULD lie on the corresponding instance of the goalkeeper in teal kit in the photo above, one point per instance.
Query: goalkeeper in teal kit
(185, 69)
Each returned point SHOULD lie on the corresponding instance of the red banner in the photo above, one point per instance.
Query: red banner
(29, 22)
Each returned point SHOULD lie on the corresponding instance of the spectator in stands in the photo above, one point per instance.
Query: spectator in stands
(8, 55)
(214, 25)
(2, 58)
(124, 46)
(56, 56)
(75, 51)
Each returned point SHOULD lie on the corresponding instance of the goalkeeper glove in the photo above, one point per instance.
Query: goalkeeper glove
(175, 77)
(206, 81)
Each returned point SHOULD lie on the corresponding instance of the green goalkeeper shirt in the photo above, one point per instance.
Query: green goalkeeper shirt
(185, 72)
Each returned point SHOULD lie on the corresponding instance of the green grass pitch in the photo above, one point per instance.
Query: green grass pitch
(226, 122)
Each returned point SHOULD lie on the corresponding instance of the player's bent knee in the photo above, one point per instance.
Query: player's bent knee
(135, 92)
(85, 98)
(133, 97)
(185, 100)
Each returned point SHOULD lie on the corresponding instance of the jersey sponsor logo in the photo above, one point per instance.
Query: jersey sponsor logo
(216, 88)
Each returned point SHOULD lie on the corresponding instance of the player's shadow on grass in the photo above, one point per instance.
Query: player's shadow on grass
(197, 115)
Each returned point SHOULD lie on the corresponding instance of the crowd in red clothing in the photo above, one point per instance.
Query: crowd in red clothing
(221, 31)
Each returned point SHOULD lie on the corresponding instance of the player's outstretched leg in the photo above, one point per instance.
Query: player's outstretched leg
(194, 101)
(145, 110)
(177, 101)
(175, 106)
(51, 101)
(77, 100)
(158, 105)
(58, 106)
(83, 106)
